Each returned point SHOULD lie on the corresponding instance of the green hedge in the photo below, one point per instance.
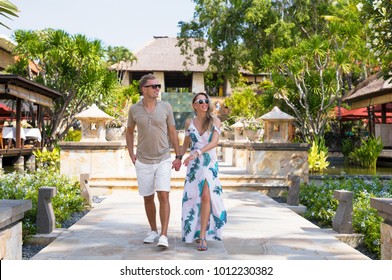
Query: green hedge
(25, 186)
(321, 206)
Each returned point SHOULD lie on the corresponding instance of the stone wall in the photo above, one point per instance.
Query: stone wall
(11, 215)
(278, 159)
(99, 159)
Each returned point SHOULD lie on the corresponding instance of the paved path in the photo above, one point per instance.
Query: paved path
(258, 228)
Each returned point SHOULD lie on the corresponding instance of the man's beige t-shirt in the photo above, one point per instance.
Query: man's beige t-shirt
(152, 130)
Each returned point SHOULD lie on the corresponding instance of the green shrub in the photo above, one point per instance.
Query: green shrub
(366, 155)
(348, 146)
(321, 206)
(73, 135)
(47, 159)
(25, 186)
(317, 155)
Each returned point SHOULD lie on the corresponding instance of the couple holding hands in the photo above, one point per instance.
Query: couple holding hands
(203, 210)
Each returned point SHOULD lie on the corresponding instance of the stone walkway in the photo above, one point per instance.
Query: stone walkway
(258, 228)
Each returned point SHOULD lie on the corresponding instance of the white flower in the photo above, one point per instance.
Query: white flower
(376, 4)
(359, 6)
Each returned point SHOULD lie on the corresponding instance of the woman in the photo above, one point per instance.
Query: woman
(203, 211)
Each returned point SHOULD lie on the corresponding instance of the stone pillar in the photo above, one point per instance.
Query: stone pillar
(240, 155)
(198, 82)
(293, 195)
(30, 162)
(19, 161)
(384, 208)
(30, 159)
(85, 188)
(342, 221)
(46, 221)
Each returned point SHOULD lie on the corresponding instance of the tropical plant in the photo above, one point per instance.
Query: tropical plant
(234, 34)
(379, 26)
(118, 103)
(117, 58)
(321, 206)
(71, 64)
(312, 75)
(348, 146)
(366, 155)
(314, 50)
(73, 135)
(246, 103)
(317, 157)
(48, 159)
(7, 9)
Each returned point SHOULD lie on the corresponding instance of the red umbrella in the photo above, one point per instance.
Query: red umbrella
(358, 114)
(5, 110)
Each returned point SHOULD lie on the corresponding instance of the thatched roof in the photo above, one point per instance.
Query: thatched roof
(6, 43)
(160, 54)
(373, 86)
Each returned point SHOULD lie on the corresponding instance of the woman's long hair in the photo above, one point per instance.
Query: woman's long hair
(210, 118)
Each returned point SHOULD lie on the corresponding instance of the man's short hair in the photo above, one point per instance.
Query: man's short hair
(143, 80)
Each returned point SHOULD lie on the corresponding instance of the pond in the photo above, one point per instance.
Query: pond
(342, 169)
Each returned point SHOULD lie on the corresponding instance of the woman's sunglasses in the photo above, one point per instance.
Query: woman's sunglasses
(201, 101)
(154, 86)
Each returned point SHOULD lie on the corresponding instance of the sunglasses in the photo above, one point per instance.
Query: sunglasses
(154, 86)
(201, 101)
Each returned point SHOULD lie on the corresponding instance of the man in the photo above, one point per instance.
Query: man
(154, 121)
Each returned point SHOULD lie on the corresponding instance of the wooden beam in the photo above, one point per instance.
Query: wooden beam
(29, 95)
(387, 98)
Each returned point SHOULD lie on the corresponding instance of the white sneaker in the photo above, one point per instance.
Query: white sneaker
(151, 237)
(163, 242)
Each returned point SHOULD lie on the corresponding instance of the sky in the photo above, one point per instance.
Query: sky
(128, 23)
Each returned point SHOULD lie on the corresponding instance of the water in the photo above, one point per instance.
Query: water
(341, 169)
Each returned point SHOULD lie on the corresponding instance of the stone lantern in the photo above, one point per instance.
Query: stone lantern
(277, 126)
(93, 124)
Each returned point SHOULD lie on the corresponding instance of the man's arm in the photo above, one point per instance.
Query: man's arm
(174, 140)
(129, 139)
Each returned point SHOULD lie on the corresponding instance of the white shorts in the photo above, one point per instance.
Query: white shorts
(153, 177)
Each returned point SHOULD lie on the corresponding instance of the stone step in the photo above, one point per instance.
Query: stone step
(270, 186)
(179, 180)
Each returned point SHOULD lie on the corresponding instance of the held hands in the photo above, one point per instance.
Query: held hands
(192, 156)
(176, 164)
(188, 159)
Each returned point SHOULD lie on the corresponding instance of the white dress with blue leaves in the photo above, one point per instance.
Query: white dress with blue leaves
(205, 167)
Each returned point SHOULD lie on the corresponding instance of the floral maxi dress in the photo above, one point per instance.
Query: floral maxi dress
(204, 168)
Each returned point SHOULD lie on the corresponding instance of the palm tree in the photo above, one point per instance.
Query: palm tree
(7, 9)
(119, 56)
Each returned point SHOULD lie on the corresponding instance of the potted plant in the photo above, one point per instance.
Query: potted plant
(115, 129)
(252, 129)
(227, 130)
